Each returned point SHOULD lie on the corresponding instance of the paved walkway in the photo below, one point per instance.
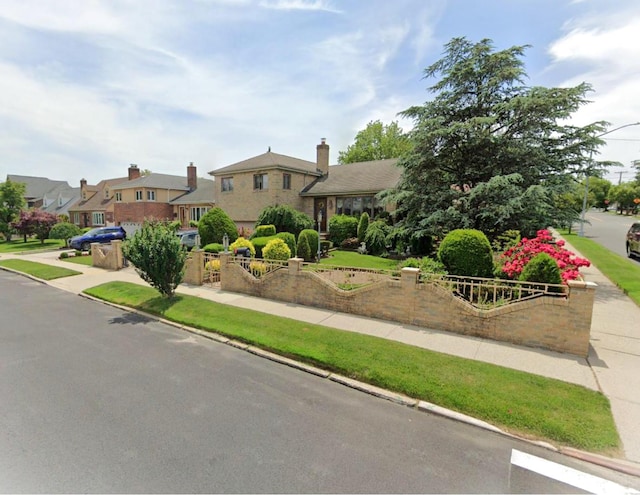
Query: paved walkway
(613, 365)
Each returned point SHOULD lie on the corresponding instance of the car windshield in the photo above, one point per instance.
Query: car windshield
(93, 232)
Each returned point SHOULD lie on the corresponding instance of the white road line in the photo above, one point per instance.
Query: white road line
(567, 475)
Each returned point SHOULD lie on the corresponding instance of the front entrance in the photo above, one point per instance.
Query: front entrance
(320, 213)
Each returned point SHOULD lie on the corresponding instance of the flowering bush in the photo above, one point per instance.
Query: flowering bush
(516, 258)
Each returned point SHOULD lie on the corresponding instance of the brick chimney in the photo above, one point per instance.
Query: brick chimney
(192, 177)
(83, 183)
(322, 161)
(134, 171)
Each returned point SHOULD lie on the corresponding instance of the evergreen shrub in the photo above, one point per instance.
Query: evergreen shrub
(466, 252)
(276, 249)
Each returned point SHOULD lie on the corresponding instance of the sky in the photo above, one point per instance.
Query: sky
(89, 87)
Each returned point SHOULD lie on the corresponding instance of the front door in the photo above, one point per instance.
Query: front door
(320, 213)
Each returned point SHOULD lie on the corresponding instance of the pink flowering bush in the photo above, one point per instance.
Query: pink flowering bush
(516, 258)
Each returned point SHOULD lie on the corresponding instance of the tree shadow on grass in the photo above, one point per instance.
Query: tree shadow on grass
(160, 305)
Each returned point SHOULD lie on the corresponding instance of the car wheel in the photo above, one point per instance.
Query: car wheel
(629, 252)
(85, 246)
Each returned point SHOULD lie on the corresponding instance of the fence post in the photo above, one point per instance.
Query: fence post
(117, 254)
(409, 277)
(194, 270)
(295, 265)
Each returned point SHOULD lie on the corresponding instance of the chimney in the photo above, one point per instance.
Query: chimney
(192, 177)
(83, 183)
(322, 161)
(134, 171)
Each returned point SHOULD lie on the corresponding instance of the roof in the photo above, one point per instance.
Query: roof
(155, 181)
(58, 210)
(98, 202)
(37, 187)
(352, 178)
(270, 160)
(204, 194)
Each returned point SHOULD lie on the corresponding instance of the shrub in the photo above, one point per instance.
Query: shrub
(312, 238)
(214, 224)
(350, 243)
(212, 266)
(213, 247)
(260, 243)
(466, 252)
(156, 253)
(376, 237)
(289, 239)
(421, 244)
(304, 251)
(257, 268)
(64, 255)
(410, 263)
(64, 231)
(325, 246)
(430, 265)
(506, 240)
(363, 225)
(285, 219)
(193, 223)
(241, 242)
(264, 231)
(276, 249)
(342, 227)
(174, 225)
(541, 268)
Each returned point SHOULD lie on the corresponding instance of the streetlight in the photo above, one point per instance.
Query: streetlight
(586, 181)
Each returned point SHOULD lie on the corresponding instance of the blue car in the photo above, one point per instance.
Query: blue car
(102, 235)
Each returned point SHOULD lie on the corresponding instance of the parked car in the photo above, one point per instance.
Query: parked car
(189, 238)
(102, 235)
(633, 240)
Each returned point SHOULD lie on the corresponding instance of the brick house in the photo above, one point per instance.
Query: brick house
(95, 208)
(245, 188)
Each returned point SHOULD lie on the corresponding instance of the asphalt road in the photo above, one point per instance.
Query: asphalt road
(94, 399)
(609, 230)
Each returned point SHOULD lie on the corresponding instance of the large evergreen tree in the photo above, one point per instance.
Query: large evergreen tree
(488, 150)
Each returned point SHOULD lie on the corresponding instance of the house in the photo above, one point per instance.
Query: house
(95, 208)
(54, 196)
(245, 188)
(194, 204)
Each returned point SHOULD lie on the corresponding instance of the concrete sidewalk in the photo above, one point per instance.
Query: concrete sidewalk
(612, 367)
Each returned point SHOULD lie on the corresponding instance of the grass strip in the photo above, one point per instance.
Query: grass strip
(39, 270)
(619, 270)
(338, 257)
(520, 402)
(31, 245)
(79, 260)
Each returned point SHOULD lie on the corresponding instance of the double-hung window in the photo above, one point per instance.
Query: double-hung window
(227, 184)
(260, 182)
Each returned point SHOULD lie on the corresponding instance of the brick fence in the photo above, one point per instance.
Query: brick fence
(556, 323)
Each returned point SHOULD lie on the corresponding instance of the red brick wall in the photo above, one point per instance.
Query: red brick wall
(139, 211)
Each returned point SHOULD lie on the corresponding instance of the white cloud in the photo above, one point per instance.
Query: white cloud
(322, 5)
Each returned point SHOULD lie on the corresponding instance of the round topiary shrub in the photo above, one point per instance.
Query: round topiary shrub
(342, 227)
(276, 249)
(64, 231)
(214, 247)
(241, 242)
(466, 252)
(304, 251)
(290, 240)
(264, 231)
(541, 268)
(214, 224)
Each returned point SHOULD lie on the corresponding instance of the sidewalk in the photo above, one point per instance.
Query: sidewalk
(613, 365)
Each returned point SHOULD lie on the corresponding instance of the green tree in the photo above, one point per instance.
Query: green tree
(214, 224)
(285, 218)
(598, 192)
(64, 230)
(36, 222)
(157, 255)
(623, 195)
(484, 123)
(11, 203)
(363, 225)
(376, 142)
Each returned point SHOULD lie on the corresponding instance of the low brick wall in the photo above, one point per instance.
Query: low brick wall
(108, 256)
(558, 324)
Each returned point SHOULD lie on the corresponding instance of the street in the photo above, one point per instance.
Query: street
(608, 230)
(95, 399)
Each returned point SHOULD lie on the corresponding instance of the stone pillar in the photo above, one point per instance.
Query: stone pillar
(194, 269)
(409, 278)
(295, 265)
(581, 299)
(117, 254)
(225, 258)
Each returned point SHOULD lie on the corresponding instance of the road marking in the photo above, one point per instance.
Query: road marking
(564, 474)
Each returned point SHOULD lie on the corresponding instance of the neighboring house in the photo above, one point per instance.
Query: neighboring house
(193, 205)
(313, 188)
(95, 206)
(41, 192)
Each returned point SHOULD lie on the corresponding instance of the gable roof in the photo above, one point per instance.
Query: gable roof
(270, 160)
(37, 187)
(204, 194)
(155, 181)
(97, 202)
(356, 178)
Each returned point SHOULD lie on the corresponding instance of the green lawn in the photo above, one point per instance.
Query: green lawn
(17, 245)
(355, 259)
(619, 270)
(80, 260)
(39, 270)
(527, 404)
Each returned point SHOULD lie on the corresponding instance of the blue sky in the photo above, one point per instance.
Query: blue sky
(86, 88)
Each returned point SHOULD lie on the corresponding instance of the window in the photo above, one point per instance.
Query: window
(260, 182)
(227, 183)
(286, 181)
(60, 202)
(118, 197)
(197, 212)
(151, 195)
(106, 194)
(357, 205)
(97, 217)
(76, 218)
(139, 195)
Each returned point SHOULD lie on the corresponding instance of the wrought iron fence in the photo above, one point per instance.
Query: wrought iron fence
(211, 268)
(487, 293)
(258, 267)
